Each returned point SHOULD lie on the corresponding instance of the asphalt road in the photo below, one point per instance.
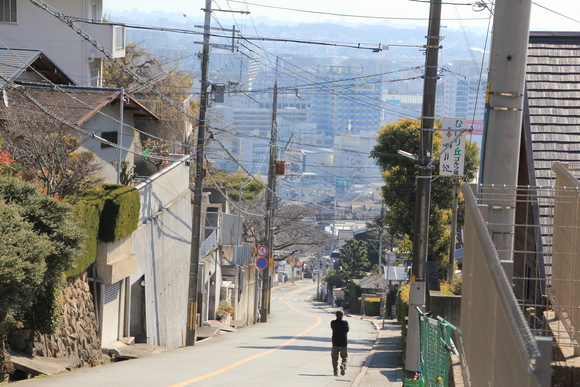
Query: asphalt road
(291, 349)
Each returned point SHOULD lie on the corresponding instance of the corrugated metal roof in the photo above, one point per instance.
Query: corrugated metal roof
(14, 62)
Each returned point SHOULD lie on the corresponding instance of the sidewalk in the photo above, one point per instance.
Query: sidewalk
(384, 366)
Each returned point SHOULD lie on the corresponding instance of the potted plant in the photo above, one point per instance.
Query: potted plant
(225, 311)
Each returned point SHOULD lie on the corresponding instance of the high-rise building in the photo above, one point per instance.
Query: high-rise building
(346, 100)
(461, 93)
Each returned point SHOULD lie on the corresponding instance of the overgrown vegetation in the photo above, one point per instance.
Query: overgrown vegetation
(47, 153)
(402, 307)
(400, 173)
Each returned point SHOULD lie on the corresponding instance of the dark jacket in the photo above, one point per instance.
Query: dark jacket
(339, 332)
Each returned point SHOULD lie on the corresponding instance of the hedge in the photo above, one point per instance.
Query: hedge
(373, 306)
(87, 212)
(354, 293)
(108, 215)
(120, 214)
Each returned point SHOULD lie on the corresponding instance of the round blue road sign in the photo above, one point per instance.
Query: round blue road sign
(261, 263)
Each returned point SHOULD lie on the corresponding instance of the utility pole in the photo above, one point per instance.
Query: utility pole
(270, 198)
(193, 293)
(451, 266)
(381, 238)
(423, 198)
(503, 129)
(120, 139)
(318, 280)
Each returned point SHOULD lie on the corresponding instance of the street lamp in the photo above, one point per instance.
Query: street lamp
(408, 155)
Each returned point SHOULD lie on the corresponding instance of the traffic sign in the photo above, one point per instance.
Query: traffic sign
(262, 251)
(261, 263)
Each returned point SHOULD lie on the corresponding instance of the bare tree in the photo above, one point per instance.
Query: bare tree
(48, 152)
(168, 79)
(295, 227)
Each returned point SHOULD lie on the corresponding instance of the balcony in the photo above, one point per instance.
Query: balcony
(110, 36)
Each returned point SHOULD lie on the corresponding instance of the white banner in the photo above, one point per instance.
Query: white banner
(453, 142)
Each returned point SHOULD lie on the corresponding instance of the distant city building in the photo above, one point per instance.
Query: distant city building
(347, 101)
(351, 157)
(460, 92)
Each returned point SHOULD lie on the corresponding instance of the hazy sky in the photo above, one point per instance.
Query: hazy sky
(542, 19)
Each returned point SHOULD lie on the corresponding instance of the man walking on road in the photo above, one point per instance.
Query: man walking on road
(339, 342)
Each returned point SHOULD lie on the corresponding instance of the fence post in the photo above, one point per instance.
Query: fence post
(543, 362)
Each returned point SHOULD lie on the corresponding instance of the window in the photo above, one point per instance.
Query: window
(119, 34)
(109, 136)
(8, 11)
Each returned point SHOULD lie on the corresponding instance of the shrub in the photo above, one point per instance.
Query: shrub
(353, 295)
(373, 306)
(402, 305)
(109, 214)
(120, 213)
(225, 309)
(452, 290)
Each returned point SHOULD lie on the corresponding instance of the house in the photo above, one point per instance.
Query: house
(22, 23)
(30, 66)
(94, 111)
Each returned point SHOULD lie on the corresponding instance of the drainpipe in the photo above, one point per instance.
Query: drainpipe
(97, 304)
(120, 139)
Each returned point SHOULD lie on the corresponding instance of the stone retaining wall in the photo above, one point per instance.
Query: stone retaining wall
(77, 336)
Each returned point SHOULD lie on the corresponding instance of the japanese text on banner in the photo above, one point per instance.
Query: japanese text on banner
(453, 142)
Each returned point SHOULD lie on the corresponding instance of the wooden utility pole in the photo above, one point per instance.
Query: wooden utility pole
(452, 243)
(270, 206)
(193, 293)
(423, 198)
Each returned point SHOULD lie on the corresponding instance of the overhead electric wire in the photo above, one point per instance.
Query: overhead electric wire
(63, 89)
(338, 14)
(77, 128)
(69, 22)
(555, 12)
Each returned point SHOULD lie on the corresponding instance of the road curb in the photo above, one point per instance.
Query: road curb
(356, 382)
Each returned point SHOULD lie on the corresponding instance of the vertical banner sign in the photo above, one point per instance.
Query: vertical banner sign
(453, 142)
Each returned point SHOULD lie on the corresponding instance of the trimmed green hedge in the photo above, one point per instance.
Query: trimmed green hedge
(87, 212)
(107, 215)
(373, 306)
(120, 214)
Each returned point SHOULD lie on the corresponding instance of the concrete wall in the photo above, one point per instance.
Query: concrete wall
(245, 292)
(104, 123)
(76, 57)
(162, 246)
(162, 188)
(448, 307)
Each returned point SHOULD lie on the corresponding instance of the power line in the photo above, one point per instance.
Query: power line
(339, 14)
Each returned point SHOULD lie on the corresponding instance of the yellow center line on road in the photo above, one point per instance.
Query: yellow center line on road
(301, 290)
(240, 362)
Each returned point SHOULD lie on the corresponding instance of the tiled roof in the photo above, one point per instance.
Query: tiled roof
(75, 104)
(553, 98)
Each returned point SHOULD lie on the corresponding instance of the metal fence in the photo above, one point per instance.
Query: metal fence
(229, 227)
(500, 347)
(436, 350)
